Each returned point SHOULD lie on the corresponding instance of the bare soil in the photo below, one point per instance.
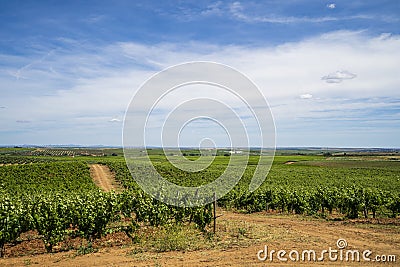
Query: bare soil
(103, 177)
(239, 237)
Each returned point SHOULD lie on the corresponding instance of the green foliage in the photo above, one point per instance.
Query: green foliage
(202, 216)
(90, 213)
(13, 220)
(59, 199)
(39, 178)
(47, 218)
(86, 249)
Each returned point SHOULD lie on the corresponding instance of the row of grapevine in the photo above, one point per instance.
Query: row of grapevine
(52, 152)
(350, 201)
(56, 216)
(155, 210)
(22, 160)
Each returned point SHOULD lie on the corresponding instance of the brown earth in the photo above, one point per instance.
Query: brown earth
(103, 177)
(253, 231)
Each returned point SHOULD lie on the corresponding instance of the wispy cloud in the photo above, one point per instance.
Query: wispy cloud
(237, 10)
(362, 110)
(92, 19)
(338, 76)
(249, 12)
(18, 74)
(213, 9)
(114, 120)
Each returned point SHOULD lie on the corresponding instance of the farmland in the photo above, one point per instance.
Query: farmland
(54, 199)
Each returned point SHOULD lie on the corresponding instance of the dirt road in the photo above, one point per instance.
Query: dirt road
(103, 177)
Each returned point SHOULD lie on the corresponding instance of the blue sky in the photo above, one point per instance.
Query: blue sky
(329, 69)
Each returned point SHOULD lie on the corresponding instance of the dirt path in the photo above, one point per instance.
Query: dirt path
(278, 232)
(103, 177)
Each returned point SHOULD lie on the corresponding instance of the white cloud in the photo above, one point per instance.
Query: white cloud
(90, 83)
(331, 6)
(306, 96)
(338, 76)
(114, 120)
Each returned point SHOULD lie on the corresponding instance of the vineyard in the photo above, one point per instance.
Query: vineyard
(9, 160)
(307, 187)
(57, 198)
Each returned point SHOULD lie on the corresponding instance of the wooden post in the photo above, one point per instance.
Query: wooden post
(215, 210)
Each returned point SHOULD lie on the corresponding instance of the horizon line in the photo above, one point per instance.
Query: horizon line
(184, 147)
